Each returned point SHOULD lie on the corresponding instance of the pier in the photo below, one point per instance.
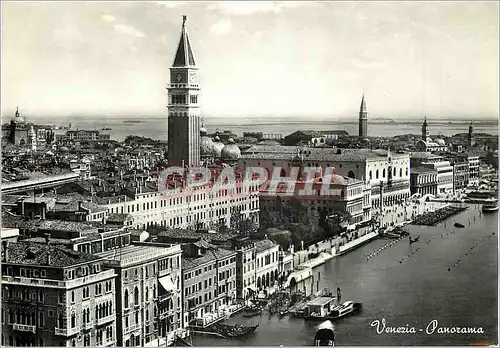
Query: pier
(434, 217)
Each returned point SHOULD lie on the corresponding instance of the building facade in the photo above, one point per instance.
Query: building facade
(423, 181)
(184, 106)
(267, 264)
(148, 293)
(246, 285)
(52, 296)
(373, 167)
(203, 206)
(209, 283)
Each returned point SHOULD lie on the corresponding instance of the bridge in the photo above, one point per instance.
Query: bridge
(39, 183)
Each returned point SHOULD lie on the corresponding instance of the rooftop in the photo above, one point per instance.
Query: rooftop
(37, 254)
(190, 263)
(316, 154)
(422, 170)
(133, 254)
(265, 244)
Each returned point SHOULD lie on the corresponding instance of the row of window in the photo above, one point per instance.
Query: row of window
(26, 295)
(24, 317)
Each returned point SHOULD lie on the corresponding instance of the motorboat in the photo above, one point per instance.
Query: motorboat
(325, 335)
(345, 309)
(458, 225)
(490, 207)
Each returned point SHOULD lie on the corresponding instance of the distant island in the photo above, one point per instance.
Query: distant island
(134, 121)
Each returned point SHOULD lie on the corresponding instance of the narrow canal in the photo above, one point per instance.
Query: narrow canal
(405, 285)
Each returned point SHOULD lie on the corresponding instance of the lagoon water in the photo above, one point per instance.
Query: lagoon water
(414, 292)
(156, 128)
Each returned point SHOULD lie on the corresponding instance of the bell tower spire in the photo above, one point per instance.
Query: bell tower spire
(183, 105)
(363, 119)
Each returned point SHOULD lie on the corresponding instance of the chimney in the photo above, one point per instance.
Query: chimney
(47, 238)
(5, 247)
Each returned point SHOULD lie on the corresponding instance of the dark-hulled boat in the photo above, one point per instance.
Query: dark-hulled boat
(458, 225)
(325, 335)
(234, 331)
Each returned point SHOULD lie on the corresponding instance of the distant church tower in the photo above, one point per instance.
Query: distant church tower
(470, 137)
(425, 130)
(183, 106)
(363, 119)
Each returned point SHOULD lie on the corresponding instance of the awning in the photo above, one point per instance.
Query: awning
(167, 283)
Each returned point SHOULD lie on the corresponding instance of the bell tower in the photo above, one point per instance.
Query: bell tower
(363, 119)
(183, 106)
(425, 130)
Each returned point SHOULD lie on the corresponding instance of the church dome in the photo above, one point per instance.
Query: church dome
(440, 141)
(207, 146)
(218, 146)
(18, 119)
(230, 152)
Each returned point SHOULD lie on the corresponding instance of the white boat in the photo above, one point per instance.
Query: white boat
(325, 335)
(345, 309)
(490, 207)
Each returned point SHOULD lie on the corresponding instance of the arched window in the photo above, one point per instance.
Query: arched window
(282, 173)
(376, 174)
(126, 298)
(400, 172)
(72, 296)
(154, 290)
(40, 319)
(406, 172)
(96, 314)
(383, 173)
(370, 174)
(147, 293)
(136, 296)
(147, 314)
(351, 174)
(394, 172)
(73, 320)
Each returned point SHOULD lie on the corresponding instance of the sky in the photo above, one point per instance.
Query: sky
(308, 59)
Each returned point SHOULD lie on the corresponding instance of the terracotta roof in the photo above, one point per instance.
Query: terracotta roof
(27, 253)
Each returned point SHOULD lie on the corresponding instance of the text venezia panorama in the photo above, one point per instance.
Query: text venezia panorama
(431, 328)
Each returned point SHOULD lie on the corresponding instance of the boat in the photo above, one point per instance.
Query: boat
(490, 207)
(345, 309)
(325, 336)
(414, 240)
(458, 225)
(234, 331)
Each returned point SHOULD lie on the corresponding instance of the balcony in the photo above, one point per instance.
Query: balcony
(67, 331)
(33, 282)
(109, 274)
(24, 328)
(131, 328)
(88, 326)
(109, 318)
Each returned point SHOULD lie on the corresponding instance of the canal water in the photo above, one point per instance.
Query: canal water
(407, 285)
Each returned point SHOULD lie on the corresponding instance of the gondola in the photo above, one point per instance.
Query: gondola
(458, 225)
(234, 331)
(325, 335)
(414, 240)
